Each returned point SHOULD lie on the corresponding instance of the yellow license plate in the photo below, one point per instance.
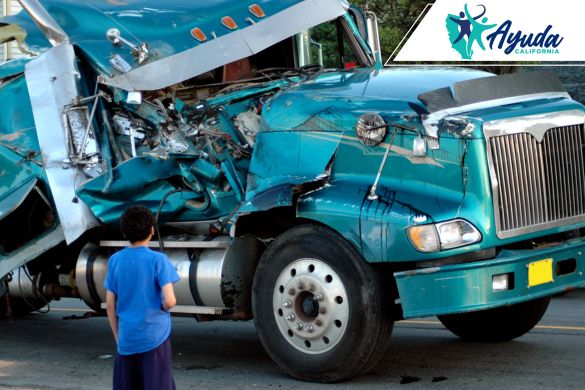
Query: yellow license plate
(540, 272)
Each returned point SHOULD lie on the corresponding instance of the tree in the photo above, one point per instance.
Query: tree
(395, 18)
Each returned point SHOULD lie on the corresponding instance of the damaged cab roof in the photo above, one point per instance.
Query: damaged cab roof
(139, 45)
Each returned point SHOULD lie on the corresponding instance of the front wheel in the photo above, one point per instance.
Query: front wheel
(318, 307)
(499, 324)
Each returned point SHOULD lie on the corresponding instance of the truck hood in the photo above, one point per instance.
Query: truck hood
(183, 38)
(387, 90)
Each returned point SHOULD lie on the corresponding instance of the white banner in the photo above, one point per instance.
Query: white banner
(498, 30)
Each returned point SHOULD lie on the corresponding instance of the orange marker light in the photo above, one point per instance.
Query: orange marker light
(257, 11)
(229, 22)
(198, 34)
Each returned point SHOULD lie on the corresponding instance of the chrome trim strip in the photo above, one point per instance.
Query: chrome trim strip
(431, 121)
(228, 48)
(48, 26)
(171, 244)
(537, 125)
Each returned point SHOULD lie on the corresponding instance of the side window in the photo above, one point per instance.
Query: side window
(326, 45)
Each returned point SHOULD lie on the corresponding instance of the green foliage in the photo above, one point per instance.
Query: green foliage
(395, 18)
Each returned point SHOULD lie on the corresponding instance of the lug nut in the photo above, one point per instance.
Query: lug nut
(312, 287)
(301, 286)
(292, 291)
(318, 322)
(300, 326)
(319, 297)
(287, 304)
(291, 317)
(309, 329)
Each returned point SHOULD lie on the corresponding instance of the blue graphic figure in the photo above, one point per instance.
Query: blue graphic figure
(465, 24)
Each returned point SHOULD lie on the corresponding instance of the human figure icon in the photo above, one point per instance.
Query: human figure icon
(477, 30)
(465, 24)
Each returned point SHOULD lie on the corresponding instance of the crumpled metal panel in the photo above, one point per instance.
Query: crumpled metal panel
(15, 199)
(242, 43)
(137, 181)
(52, 84)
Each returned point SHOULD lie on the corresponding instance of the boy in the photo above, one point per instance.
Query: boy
(139, 296)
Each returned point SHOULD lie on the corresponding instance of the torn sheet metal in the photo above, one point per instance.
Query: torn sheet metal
(15, 199)
(27, 253)
(229, 48)
(50, 28)
(52, 85)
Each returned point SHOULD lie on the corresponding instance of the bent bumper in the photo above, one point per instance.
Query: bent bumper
(468, 287)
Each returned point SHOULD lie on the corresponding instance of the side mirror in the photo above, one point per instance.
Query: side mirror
(367, 23)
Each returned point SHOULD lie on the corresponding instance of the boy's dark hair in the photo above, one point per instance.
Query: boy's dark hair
(136, 223)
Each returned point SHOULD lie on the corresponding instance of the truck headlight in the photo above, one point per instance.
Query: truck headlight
(371, 129)
(443, 236)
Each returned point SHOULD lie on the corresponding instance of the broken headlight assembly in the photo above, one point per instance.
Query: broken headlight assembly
(371, 129)
(442, 236)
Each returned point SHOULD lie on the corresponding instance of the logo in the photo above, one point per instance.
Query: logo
(465, 31)
(495, 31)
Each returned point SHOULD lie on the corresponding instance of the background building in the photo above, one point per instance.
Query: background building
(9, 51)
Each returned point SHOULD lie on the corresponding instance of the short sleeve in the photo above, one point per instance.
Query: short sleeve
(166, 273)
(111, 282)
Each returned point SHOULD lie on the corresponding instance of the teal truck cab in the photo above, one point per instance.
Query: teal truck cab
(294, 181)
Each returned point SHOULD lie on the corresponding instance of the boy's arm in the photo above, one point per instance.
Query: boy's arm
(168, 297)
(111, 309)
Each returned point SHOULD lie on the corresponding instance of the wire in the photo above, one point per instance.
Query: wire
(160, 206)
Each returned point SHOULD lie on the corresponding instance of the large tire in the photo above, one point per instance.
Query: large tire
(313, 277)
(499, 324)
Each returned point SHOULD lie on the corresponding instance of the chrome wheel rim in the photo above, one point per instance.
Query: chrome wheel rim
(310, 306)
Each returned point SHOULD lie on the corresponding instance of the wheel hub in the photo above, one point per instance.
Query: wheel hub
(311, 306)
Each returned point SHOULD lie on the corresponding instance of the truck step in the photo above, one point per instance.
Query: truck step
(185, 309)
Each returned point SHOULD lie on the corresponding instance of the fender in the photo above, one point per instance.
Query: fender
(375, 228)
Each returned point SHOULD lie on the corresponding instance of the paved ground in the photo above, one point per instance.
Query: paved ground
(52, 352)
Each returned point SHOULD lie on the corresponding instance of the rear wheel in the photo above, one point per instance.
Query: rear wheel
(318, 307)
(499, 324)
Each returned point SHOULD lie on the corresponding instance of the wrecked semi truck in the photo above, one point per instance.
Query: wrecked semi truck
(294, 181)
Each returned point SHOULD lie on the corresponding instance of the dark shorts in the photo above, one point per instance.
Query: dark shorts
(151, 370)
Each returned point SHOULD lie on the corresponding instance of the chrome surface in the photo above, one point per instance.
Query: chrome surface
(49, 27)
(209, 272)
(170, 244)
(302, 280)
(182, 263)
(537, 169)
(216, 278)
(139, 51)
(86, 283)
(52, 81)
(431, 122)
(184, 309)
(23, 285)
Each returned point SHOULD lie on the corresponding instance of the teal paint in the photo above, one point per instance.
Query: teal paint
(306, 156)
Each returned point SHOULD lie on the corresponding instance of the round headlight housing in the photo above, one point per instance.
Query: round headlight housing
(371, 129)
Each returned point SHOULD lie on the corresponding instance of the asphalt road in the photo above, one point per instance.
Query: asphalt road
(60, 351)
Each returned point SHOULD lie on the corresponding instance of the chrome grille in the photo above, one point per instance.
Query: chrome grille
(539, 184)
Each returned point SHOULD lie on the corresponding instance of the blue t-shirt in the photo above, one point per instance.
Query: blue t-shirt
(136, 275)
